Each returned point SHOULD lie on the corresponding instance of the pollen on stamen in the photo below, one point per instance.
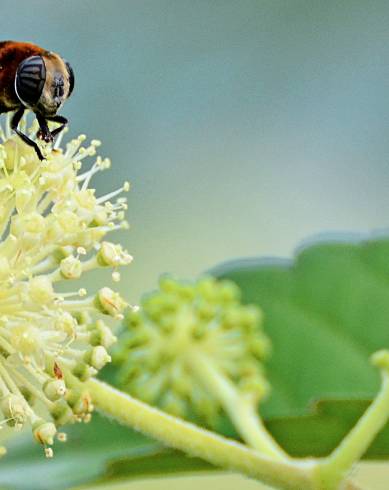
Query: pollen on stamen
(49, 453)
(116, 276)
(62, 436)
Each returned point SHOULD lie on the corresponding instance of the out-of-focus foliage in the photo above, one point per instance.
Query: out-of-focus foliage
(325, 313)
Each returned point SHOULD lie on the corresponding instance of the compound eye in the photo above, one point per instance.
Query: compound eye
(30, 80)
(71, 78)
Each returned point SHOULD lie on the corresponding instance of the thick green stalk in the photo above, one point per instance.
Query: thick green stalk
(217, 450)
(198, 442)
(241, 410)
(334, 468)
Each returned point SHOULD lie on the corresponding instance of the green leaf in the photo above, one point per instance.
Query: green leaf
(317, 433)
(158, 462)
(326, 312)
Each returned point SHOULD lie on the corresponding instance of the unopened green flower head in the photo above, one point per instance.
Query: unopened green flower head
(53, 230)
(173, 324)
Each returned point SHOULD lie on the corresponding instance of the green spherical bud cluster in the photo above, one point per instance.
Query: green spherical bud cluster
(174, 324)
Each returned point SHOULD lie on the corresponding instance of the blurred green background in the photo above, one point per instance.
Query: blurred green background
(244, 126)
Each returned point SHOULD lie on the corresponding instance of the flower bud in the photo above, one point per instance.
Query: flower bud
(97, 357)
(110, 302)
(113, 255)
(15, 409)
(61, 253)
(66, 323)
(44, 432)
(71, 268)
(102, 335)
(41, 290)
(80, 402)
(54, 389)
(61, 412)
(22, 198)
(68, 221)
(25, 338)
(33, 223)
(83, 371)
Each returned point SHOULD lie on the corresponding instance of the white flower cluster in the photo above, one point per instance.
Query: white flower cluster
(53, 229)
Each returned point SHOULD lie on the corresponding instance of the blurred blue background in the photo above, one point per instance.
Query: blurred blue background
(243, 126)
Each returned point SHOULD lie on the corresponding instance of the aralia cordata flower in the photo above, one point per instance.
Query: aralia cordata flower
(53, 230)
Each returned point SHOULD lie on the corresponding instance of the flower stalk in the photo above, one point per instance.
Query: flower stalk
(335, 467)
(197, 345)
(241, 409)
(201, 443)
(294, 474)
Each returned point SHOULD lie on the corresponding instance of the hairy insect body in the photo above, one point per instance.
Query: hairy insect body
(34, 78)
(11, 55)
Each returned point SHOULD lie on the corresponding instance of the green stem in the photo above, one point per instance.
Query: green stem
(334, 468)
(198, 442)
(241, 410)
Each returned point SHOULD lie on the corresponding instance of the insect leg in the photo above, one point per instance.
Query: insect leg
(59, 119)
(44, 131)
(14, 125)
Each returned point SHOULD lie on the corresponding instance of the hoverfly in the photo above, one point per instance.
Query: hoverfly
(33, 78)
